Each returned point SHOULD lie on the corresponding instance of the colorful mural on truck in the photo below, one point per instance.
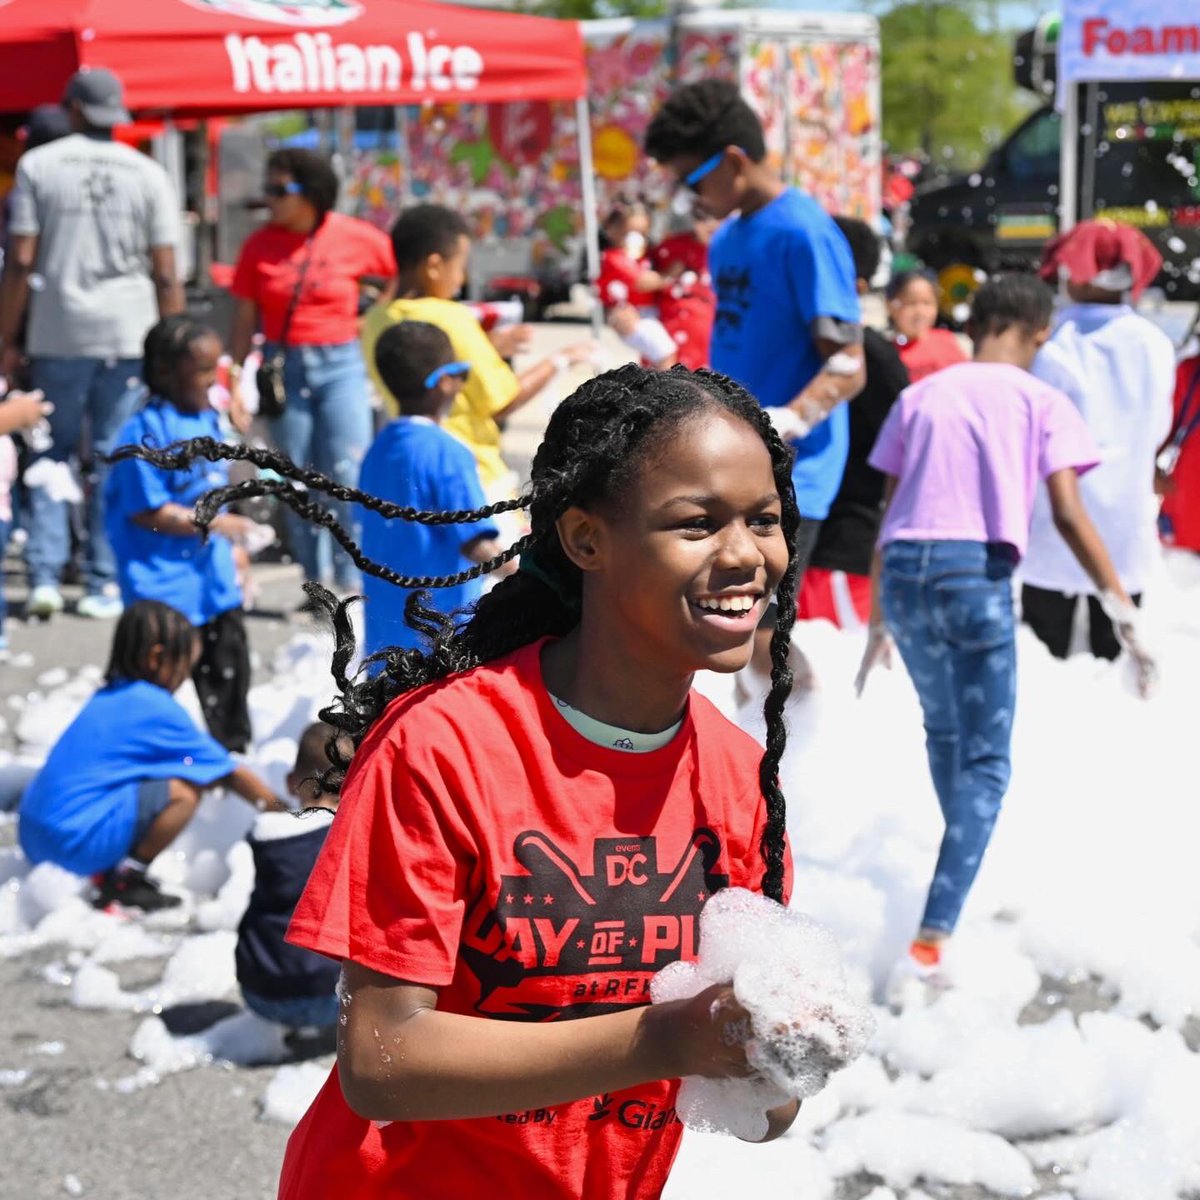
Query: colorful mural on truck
(513, 168)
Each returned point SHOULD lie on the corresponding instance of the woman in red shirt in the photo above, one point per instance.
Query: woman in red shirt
(297, 280)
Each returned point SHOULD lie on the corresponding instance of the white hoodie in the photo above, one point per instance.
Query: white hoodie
(1119, 370)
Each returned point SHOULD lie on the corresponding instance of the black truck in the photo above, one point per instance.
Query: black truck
(1138, 163)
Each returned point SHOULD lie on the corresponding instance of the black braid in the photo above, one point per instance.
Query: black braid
(181, 455)
(594, 446)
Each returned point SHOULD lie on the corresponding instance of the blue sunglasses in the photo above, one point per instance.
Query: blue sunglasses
(457, 370)
(693, 178)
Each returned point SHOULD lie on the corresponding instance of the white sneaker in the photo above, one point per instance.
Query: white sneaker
(100, 607)
(44, 602)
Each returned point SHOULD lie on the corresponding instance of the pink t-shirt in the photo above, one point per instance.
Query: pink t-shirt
(968, 446)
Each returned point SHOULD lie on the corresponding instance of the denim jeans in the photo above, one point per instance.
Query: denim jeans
(5, 528)
(949, 607)
(326, 426)
(105, 392)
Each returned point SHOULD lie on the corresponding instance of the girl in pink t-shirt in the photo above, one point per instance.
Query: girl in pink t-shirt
(963, 452)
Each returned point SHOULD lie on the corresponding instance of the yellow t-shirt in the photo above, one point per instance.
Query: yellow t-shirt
(489, 389)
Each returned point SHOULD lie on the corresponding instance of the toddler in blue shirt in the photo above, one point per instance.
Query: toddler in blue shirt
(148, 515)
(125, 778)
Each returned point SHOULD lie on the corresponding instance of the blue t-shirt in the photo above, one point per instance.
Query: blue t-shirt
(415, 463)
(197, 577)
(80, 811)
(776, 271)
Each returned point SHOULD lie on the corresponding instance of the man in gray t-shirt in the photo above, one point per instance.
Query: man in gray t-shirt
(93, 231)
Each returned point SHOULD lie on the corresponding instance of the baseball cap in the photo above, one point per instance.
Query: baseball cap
(46, 123)
(100, 97)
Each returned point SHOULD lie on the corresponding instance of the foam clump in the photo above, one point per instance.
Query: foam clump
(806, 1021)
(291, 1091)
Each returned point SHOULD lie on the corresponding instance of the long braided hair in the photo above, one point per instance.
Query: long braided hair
(595, 443)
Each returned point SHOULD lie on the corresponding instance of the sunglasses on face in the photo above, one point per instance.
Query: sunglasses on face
(450, 370)
(277, 191)
(694, 178)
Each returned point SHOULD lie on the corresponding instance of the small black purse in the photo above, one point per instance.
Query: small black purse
(272, 395)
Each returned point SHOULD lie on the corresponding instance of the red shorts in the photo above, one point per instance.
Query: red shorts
(835, 596)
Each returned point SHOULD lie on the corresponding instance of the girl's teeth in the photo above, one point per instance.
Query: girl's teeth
(736, 604)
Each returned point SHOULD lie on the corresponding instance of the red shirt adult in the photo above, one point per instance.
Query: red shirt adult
(937, 349)
(688, 306)
(1182, 506)
(344, 250)
(487, 849)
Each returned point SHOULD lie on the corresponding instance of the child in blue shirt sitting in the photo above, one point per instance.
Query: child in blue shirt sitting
(281, 982)
(125, 778)
(148, 514)
(414, 463)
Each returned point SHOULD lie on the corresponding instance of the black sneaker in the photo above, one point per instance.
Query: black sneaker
(131, 889)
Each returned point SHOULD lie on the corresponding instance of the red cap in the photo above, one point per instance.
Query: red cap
(1104, 254)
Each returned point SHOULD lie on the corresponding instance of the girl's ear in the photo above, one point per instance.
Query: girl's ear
(582, 536)
(154, 658)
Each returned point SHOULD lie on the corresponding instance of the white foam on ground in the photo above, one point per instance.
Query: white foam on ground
(1090, 877)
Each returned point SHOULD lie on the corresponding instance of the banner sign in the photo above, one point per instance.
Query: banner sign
(1128, 39)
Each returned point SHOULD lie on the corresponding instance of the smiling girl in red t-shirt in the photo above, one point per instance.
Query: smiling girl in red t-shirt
(539, 807)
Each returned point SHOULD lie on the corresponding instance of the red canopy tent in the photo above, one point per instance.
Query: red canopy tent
(209, 57)
(199, 58)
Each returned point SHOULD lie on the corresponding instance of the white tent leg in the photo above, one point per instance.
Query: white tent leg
(1068, 180)
(591, 218)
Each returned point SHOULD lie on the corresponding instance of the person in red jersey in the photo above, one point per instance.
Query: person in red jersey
(687, 306)
(538, 808)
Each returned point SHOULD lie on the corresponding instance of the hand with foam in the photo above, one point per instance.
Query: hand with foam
(789, 424)
(878, 653)
(1126, 622)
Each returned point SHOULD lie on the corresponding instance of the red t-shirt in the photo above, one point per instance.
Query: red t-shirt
(688, 307)
(937, 349)
(485, 848)
(344, 250)
(1182, 506)
(619, 275)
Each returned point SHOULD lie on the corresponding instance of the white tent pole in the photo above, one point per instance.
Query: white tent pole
(1068, 175)
(591, 218)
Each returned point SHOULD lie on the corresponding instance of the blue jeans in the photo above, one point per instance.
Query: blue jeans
(949, 607)
(295, 1012)
(105, 392)
(5, 528)
(326, 426)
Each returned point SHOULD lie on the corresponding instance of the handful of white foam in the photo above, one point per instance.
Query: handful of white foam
(806, 1022)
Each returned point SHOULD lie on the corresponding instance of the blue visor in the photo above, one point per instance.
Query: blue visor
(704, 170)
(460, 370)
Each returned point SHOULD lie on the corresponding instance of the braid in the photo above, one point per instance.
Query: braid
(181, 455)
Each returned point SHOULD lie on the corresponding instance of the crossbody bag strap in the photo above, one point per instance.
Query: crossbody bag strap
(291, 308)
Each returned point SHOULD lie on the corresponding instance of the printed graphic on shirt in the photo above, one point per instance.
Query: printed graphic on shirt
(559, 943)
(733, 297)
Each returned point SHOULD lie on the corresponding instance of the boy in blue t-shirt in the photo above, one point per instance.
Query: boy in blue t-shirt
(148, 516)
(126, 776)
(416, 464)
(788, 326)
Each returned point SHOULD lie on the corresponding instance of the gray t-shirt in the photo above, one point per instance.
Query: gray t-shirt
(97, 207)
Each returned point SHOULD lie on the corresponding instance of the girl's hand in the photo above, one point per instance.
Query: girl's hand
(705, 1035)
(236, 528)
(23, 410)
(878, 652)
